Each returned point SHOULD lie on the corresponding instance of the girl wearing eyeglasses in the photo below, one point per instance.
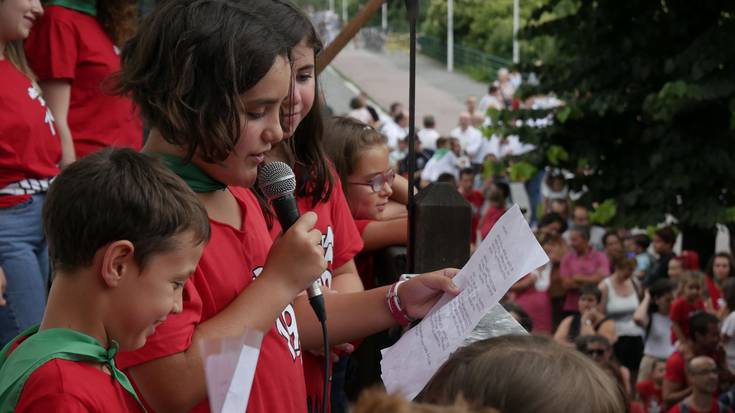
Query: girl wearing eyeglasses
(360, 155)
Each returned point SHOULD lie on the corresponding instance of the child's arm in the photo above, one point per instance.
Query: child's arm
(381, 234)
(640, 316)
(176, 383)
(345, 279)
(58, 94)
(357, 315)
(563, 331)
(400, 190)
(603, 298)
(524, 283)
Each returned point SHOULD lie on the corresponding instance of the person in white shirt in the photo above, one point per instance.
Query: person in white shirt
(396, 130)
(428, 135)
(359, 111)
(491, 100)
(443, 161)
(470, 139)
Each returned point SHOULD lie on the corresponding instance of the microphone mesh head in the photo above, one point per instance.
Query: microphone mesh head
(276, 179)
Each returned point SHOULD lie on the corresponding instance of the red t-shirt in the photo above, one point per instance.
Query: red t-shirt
(492, 215)
(476, 200)
(341, 242)
(650, 394)
(364, 260)
(681, 311)
(29, 146)
(65, 386)
(714, 292)
(67, 44)
(231, 260)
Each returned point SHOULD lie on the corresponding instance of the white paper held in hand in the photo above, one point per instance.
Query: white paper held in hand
(229, 368)
(509, 252)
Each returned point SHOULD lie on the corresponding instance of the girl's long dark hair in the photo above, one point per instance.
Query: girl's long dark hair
(304, 149)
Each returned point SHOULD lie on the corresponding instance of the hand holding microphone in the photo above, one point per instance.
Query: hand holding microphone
(277, 182)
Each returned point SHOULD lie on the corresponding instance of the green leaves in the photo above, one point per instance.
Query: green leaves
(555, 154)
(603, 213)
(522, 171)
(648, 118)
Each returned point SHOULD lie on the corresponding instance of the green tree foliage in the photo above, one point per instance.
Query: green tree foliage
(649, 114)
(488, 26)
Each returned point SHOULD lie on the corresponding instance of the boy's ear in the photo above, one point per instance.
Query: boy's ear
(117, 260)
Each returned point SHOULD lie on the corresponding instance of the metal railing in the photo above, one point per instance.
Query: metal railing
(475, 62)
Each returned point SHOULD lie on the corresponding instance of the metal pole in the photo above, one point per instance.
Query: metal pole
(413, 13)
(516, 25)
(344, 13)
(384, 23)
(450, 35)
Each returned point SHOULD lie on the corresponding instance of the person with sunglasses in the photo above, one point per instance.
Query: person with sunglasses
(599, 349)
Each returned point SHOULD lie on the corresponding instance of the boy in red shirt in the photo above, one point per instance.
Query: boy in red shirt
(124, 234)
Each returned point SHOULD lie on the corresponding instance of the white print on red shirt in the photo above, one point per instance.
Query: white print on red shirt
(286, 325)
(328, 246)
(34, 94)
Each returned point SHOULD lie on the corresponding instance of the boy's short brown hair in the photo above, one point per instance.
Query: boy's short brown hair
(189, 64)
(524, 373)
(118, 194)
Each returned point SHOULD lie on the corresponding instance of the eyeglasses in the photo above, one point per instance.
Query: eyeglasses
(596, 352)
(377, 182)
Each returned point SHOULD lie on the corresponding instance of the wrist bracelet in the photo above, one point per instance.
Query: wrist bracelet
(394, 305)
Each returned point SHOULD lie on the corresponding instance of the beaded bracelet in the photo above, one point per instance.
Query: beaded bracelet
(394, 305)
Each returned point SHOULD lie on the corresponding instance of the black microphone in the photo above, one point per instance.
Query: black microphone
(277, 182)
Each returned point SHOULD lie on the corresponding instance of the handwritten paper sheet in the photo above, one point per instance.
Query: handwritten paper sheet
(229, 367)
(509, 252)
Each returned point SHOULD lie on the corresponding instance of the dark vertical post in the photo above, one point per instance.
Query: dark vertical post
(443, 219)
(413, 14)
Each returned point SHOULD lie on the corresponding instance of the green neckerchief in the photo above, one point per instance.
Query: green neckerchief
(40, 347)
(440, 153)
(197, 179)
(84, 6)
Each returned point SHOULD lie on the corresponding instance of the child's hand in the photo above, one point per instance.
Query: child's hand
(298, 254)
(3, 286)
(419, 294)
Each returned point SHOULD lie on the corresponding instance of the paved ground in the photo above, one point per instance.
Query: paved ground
(384, 77)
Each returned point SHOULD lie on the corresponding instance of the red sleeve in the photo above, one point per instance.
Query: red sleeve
(675, 369)
(347, 239)
(679, 312)
(57, 402)
(645, 388)
(173, 335)
(51, 47)
(361, 224)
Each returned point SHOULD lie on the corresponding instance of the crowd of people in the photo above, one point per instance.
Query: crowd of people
(657, 320)
(122, 252)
